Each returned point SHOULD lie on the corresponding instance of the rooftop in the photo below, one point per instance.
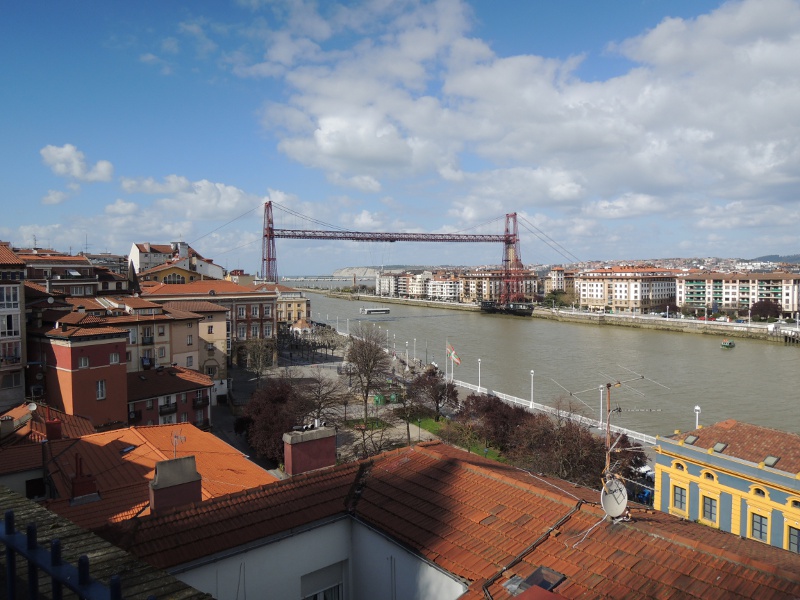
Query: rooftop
(473, 517)
(168, 380)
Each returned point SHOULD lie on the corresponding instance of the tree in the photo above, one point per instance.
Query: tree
(407, 408)
(323, 394)
(431, 389)
(369, 365)
(766, 309)
(272, 411)
(260, 354)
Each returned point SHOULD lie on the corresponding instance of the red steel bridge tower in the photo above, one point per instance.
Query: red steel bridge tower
(513, 272)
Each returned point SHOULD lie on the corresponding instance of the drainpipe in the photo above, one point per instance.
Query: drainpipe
(528, 550)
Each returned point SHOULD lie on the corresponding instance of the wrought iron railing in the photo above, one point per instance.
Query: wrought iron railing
(62, 574)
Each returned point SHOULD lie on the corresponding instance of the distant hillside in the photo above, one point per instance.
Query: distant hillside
(792, 258)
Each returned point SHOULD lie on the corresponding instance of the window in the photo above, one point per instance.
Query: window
(241, 312)
(189, 361)
(189, 325)
(113, 358)
(182, 397)
(101, 389)
(189, 340)
(254, 311)
(254, 331)
(268, 330)
(184, 417)
(83, 362)
(794, 539)
(9, 296)
(11, 380)
(758, 527)
(127, 357)
(150, 404)
(709, 509)
(211, 371)
(9, 326)
(679, 498)
(161, 330)
(162, 352)
(242, 333)
(76, 290)
(210, 329)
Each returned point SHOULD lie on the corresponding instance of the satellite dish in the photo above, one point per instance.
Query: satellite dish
(32, 407)
(614, 498)
(50, 299)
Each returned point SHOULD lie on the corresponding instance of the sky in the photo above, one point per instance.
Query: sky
(616, 131)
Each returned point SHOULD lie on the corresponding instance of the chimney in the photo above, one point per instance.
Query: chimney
(176, 482)
(82, 484)
(309, 450)
(52, 429)
(6, 425)
(47, 285)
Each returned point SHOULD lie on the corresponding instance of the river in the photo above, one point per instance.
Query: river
(663, 375)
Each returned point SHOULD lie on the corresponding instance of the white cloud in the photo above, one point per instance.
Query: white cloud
(364, 183)
(54, 197)
(627, 206)
(68, 161)
(208, 200)
(120, 207)
(172, 184)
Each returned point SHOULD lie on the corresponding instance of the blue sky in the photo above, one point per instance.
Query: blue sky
(620, 130)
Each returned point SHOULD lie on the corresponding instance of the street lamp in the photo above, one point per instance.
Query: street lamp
(406, 355)
(697, 417)
(415, 350)
(348, 327)
(479, 375)
(531, 388)
(668, 311)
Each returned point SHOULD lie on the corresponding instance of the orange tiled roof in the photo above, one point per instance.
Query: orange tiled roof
(169, 380)
(47, 258)
(473, 518)
(79, 331)
(164, 249)
(87, 302)
(8, 258)
(202, 287)
(123, 461)
(194, 306)
(749, 442)
(30, 425)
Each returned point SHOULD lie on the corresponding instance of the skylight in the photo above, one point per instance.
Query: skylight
(720, 446)
(690, 439)
(771, 460)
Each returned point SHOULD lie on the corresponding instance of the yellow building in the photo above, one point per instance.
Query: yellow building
(735, 477)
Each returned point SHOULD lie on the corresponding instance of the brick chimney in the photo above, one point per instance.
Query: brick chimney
(176, 482)
(309, 450)
(83, 484)
(52, 429)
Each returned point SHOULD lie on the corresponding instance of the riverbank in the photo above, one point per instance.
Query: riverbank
(757, 331)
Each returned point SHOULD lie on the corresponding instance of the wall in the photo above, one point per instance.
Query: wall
(383, 570)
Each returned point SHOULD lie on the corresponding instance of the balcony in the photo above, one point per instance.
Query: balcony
(148, 340)
(199, 402)
(167, 409)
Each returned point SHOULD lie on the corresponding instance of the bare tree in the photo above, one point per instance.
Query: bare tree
(324, 394)
(260, 356)
(369, 365)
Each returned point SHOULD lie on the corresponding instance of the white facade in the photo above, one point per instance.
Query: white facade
(635, 290)
(448, 289)
(12, 339)
(363, 563)
(738, 291)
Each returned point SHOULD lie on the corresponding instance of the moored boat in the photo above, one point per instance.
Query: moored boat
(520, 309)
(726, 343)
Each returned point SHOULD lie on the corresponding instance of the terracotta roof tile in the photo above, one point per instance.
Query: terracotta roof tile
(8, 258)
(749, 442)
(437, 501)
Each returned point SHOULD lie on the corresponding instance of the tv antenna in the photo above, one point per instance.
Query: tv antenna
(177, 438)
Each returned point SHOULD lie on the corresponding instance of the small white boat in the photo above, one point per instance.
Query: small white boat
(373, 311)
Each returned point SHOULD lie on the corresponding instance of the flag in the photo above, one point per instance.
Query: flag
(451, 354)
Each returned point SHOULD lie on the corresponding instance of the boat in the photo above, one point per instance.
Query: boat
(726, 343)
(520, 309)
(373, 311)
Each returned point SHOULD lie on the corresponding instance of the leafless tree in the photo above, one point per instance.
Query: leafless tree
(325, 394)
(369, 365)
(260, 356)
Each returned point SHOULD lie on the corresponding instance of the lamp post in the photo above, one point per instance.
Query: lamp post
(667, 311)
(348, 327)
(697, 417)
(406, 355)
(337, 323)
(748, 317)
(479, 375)
(531, 388)
(415, 350)
(601, 406)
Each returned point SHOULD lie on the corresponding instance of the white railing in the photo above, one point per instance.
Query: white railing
(634, 435)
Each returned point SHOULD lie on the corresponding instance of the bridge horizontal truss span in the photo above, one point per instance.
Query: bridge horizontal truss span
(372, 236)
